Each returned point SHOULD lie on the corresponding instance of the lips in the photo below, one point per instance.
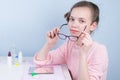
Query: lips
(74, 31)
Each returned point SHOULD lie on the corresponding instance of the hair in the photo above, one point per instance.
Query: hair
(94, 9)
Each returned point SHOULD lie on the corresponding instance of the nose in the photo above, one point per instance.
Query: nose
(74, 24)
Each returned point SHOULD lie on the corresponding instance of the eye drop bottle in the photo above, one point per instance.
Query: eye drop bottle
(14, 54)
(9, 58)
(20, 57)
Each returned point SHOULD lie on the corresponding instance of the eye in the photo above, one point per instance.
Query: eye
(71, 19)
(81, 21)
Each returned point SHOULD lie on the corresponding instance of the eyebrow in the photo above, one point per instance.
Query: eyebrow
(78, 18)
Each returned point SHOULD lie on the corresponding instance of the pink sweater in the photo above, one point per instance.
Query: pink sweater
(68, 53)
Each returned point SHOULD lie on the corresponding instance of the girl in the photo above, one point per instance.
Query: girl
(85, 58)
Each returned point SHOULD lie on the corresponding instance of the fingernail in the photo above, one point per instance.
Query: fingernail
(50, 35)
(82, 44)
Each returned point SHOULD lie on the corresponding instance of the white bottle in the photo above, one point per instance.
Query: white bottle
(20, 57)
(14, 54)
(9, 58)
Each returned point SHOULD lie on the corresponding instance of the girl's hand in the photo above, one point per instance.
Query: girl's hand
(52, 37)
(85, 41)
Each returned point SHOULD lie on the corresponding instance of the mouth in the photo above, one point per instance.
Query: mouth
(74, 31)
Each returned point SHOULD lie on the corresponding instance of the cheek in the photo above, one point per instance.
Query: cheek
(87, 30)
(69, 26)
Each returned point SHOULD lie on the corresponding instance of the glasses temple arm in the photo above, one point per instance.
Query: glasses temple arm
(63, 25)
(82, 31)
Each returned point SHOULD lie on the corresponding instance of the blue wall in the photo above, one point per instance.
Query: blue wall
(24, 23)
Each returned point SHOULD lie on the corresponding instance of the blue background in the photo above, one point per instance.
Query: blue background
(24, 23)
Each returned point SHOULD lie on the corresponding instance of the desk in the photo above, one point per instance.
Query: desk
(17, 72)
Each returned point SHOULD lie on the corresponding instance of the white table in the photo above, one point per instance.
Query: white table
(15, 72)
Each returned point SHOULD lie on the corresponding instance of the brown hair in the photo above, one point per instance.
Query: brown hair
(94, 9)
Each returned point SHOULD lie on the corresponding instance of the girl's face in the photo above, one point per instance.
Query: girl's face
(79, 18)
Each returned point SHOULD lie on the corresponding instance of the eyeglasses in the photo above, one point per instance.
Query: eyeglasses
(70, 37)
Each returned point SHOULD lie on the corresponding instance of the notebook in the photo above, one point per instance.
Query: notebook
(41, 70)
(33, 72)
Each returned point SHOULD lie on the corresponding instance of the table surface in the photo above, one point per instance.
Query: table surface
(15, 72)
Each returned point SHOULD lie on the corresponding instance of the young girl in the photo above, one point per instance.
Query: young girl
(85, 58)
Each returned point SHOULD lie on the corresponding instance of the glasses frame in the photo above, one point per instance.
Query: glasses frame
(70, 37)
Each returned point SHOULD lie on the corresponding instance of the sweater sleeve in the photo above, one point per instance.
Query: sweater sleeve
(54, 56)
(97, 66)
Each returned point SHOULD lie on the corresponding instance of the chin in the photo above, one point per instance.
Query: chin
(74, 34)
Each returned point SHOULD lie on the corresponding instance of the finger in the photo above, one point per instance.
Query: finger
(56, 30)
(85, 34)
(82, 35)
(87, 42)
(48, 34)
(88, 36)
(84, 39)
(52, 34)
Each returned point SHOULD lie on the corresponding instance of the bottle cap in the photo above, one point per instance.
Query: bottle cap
(9, 53)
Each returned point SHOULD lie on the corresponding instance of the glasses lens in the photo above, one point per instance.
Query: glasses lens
(61, 36)
(64, 29)
(64, 32)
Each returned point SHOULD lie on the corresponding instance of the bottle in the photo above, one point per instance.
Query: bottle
(20, 57)
(9, 58)
(14, 54)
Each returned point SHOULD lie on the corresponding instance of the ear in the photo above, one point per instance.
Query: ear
(93, 26)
